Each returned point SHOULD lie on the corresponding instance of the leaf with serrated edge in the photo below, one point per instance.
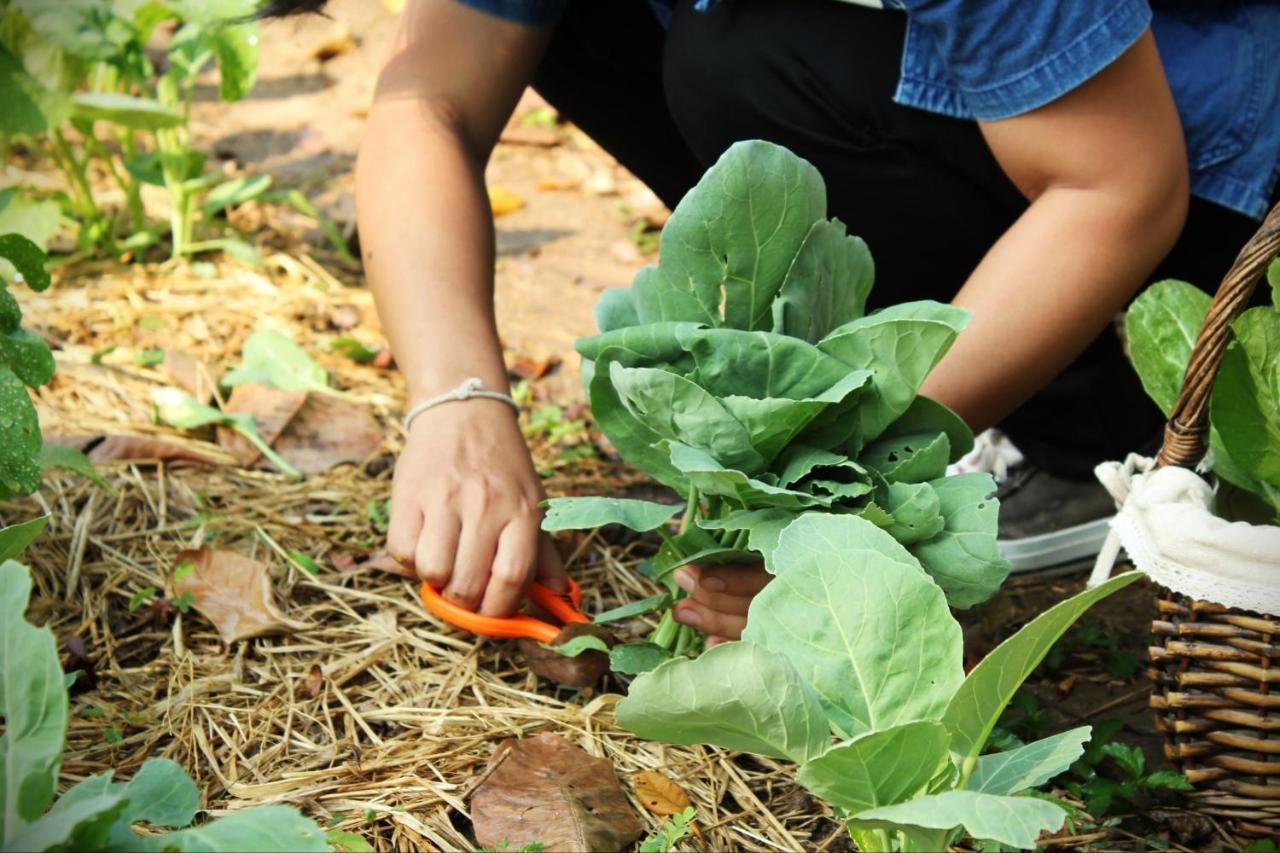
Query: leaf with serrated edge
(590, 512)
(861, 622)
(880, 768)
(735, 695)
(976, 707)
(1016, 821)
(1028, 766)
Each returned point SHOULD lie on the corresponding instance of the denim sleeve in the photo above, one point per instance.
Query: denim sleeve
(1006, 57)
(536, 13)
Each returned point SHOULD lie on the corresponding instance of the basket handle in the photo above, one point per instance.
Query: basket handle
(1187, 430)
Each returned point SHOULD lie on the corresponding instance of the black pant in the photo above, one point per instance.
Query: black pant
(922, 189)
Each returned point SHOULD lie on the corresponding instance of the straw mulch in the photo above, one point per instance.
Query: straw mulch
(405, 711)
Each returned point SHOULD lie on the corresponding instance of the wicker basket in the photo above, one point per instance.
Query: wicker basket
(1212, 666)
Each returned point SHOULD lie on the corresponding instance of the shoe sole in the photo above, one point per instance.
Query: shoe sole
(1054, 549)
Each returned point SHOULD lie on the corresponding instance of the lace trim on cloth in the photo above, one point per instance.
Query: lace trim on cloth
(1165, 524)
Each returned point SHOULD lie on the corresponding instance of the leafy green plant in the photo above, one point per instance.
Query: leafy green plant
(674, 829)
(26, 362)
(1244, 437)
(1102, 789)
(80, 81)
(100, 813)
(853, 640)
(179, 409)
(743, 372)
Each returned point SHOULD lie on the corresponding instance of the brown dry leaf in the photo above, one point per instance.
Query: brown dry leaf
(659, 794)
(272, 410)
(334, 45)
(545, 790)
(379, 561)
(194, 376)
(503, 201)
(117, 448)
(583, 670)
(1066, 685)
(315, 680)
(524, 367)
(232, 591)
(327, 432)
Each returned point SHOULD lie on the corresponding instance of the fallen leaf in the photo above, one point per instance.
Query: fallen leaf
(583, 670)
(545, 790)
(272, 411)
(557, 184)
(232, 591)
(327, 432)
(196, 377)
(380, 561)
(114, 448)
(503, 201)
(1066, 685)
(335, 45)
(659, 794)
(524, 367)
(315, 680)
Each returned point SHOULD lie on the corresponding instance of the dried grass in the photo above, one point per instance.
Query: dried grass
(408, 710)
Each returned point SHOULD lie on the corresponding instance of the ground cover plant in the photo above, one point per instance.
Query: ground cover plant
(743, 372)
(854, 642)
(107, 86)
(1244, 435)
(97, 813)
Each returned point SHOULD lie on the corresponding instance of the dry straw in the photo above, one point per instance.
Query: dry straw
(407, 711)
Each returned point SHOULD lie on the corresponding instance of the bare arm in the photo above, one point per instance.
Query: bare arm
(464, 501)
(1105, 169)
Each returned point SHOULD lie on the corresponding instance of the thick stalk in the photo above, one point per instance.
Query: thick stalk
(690, 510)
(871, 840)
(665, 634)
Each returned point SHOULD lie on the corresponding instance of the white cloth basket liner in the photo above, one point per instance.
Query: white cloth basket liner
(1165, 524)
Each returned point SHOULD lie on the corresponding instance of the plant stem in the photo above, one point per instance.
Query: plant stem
(249, 432)
(871, 840)
(690, 510)
(665, 635)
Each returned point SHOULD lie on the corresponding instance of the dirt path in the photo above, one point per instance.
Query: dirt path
(568, 240)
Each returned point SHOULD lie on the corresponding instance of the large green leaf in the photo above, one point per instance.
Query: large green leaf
(1028, 766)
(267, 829)
(1161, 327)
(964, 558)
(914, 458)
(272, 358)
(976, 707)
(28, 356)
(84, 824)
(639, 346)
(677, 409)
(27, 257)
(1016, 821)
(735, 695)
(589, 512)
(1245, 406)
(731, 362)
(827, 284)
(125, 110)
(616, 309)
(635, 440)
(929, 416)
(19, 438)
(916, 510)
(15, 538)
(735, 235)
(900, 345)
(33, 702)
(860, 622)
(880, 768)
(709, 477)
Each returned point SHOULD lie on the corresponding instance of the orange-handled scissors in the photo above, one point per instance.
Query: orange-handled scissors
(563, 606)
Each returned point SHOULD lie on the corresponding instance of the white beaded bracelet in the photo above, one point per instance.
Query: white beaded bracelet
(469, 389)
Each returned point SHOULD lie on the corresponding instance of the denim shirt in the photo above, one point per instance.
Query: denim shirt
(992, 59)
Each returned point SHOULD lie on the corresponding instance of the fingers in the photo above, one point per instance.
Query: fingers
(437, 544)
(403, 532)
(477, 546)
(719, 598)
(512, 569)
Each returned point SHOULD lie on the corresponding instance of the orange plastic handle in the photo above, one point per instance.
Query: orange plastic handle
(564, 607)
